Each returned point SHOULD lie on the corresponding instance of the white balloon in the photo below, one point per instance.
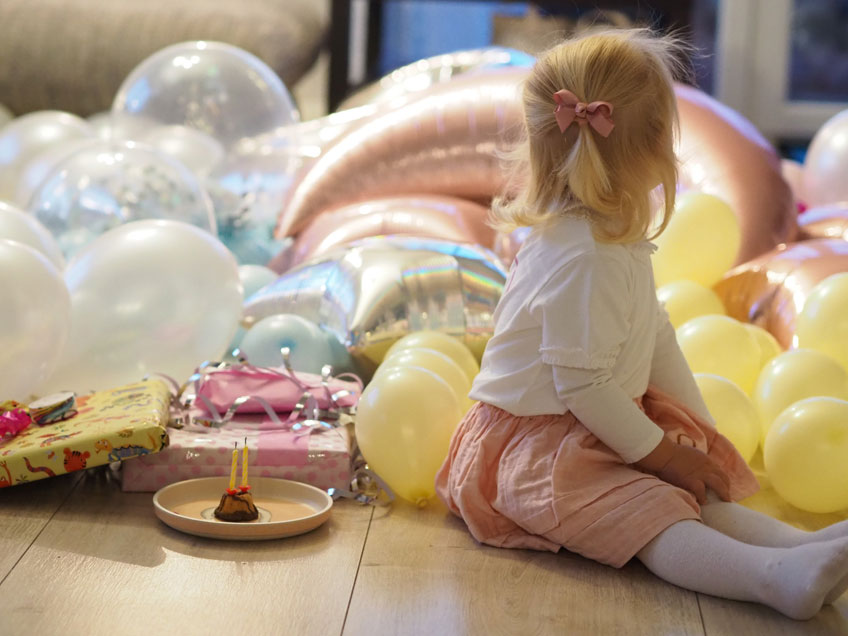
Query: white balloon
(102, 124)
(17, 225)
(35, 170)
(152, 296)
(26, 136)
(826, 163)
(34, 320)
(196, 150)
(6, 115)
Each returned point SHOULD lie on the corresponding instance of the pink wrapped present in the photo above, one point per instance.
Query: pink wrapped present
(320, 459)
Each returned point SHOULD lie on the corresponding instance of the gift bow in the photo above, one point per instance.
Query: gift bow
(13, 421)
(569, 108)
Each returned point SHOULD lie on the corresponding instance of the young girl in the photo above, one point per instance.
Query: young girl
(590, 432)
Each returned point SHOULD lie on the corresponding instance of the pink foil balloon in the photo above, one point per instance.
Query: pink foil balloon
(422, 74)
(770, 291)
(723, 154)
(443, 142)
(426, 216)
(827, 221)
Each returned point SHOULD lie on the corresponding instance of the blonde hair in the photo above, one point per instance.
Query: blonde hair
(610, 178)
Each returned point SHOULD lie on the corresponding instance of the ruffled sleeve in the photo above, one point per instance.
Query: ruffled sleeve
(583, 310)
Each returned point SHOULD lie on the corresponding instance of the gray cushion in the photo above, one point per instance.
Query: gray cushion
(73, 54)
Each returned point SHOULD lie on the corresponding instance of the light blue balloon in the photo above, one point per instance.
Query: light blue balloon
(340, 360)
(309, 346)
(255, 277)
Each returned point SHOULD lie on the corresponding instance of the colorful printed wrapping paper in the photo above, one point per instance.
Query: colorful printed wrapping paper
(109, 426)
(321, 459)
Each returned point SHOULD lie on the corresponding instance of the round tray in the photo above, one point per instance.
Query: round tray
(286, 508)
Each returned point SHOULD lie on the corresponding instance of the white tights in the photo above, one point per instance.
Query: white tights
(740, 554)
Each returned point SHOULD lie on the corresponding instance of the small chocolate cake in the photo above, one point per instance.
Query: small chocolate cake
(238, 507)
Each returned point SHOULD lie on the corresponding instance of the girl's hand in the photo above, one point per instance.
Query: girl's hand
(687, 468)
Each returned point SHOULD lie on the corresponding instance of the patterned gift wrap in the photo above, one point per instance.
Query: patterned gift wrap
(321, 459)
(109, 426)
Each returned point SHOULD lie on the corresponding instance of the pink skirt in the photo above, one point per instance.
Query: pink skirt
(545, 482)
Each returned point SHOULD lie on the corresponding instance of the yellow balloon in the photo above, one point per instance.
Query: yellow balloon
(721, 346)
(734, 413)
(404, 422)
(686, 299)
(439, 341)
(805, 454)
(769, 346)
(823, 322)
(700, 242)
(434, 361)
(795, 375)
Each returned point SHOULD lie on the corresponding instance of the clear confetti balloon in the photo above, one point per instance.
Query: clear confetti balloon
(196, 150)
(216, 88)
(248, 189)
(26, 136)
(34, 171)
(107, 184)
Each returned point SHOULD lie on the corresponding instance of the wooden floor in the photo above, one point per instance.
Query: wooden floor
(78, 556)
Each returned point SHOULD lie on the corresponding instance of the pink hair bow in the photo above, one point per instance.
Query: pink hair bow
(597, 114)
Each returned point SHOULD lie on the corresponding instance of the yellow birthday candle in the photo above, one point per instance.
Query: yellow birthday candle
(233, 467)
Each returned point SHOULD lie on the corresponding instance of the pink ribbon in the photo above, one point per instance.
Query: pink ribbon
(569, 108)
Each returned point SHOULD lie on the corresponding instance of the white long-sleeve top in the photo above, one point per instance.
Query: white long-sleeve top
(579, 329)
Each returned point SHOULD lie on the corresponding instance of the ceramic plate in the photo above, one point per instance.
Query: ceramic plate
(286, 508)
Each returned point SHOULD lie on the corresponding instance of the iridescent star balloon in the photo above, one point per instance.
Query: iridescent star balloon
(372, 292)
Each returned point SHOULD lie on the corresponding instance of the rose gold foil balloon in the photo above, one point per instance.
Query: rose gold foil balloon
(723, 154)
(827, 221)
(372, 292)
(770, 291)
(422, 74)
(443, 142)
(445, 218)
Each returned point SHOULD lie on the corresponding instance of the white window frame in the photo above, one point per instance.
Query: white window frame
(752, 69)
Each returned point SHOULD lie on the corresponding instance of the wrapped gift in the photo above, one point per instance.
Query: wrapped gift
(321, 459)
(108, 426)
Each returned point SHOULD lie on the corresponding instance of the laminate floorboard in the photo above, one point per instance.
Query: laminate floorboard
(106, 565)
(422, 573)
(82, 557)
(24, 512)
